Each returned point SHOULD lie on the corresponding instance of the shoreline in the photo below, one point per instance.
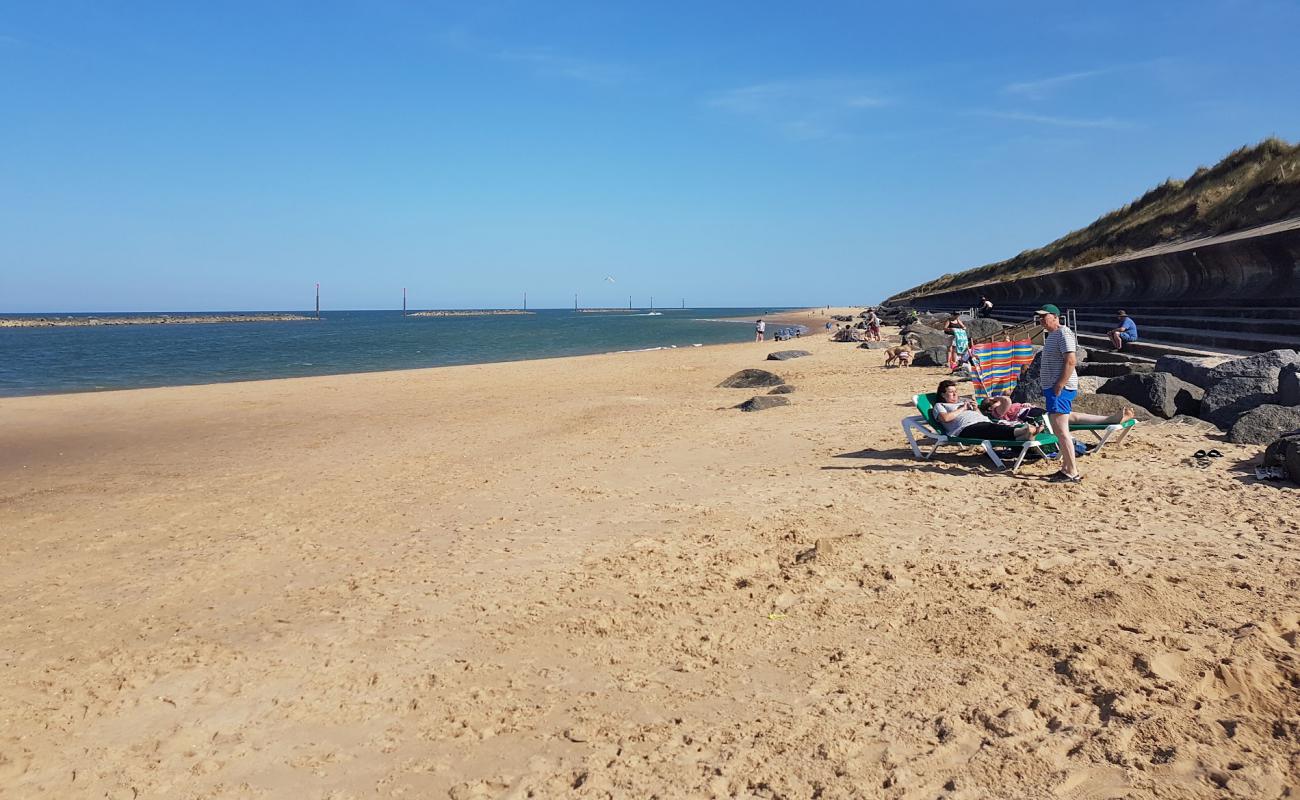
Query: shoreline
(687, 346)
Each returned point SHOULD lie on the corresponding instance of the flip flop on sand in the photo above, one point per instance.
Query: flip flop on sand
(1213, 454)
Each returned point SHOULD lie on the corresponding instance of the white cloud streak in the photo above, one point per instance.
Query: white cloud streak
(1039, 89)
(805, 109)
(1108, 123)
(542, 61)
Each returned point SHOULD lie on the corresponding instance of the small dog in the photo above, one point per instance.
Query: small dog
(900, 356)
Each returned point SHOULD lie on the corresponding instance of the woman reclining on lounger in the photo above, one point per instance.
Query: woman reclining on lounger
(1002, 409)
(959, 418)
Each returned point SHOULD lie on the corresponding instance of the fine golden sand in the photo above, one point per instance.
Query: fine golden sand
(592, 577)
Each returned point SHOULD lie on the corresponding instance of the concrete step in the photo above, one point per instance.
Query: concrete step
(1152, 349)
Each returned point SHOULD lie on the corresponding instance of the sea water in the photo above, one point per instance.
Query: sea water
(75, 359)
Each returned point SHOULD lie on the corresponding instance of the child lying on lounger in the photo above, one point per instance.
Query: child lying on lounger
(1002, 409)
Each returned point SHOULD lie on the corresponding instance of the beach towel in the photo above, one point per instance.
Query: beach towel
(996, 366)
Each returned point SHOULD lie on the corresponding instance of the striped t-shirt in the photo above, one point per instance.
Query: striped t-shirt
(1055, 346)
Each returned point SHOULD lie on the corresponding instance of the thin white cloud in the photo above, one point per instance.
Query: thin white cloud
(805, 109)
(1109, 123)
(543, 61)
(546, 61)
(1039, 89)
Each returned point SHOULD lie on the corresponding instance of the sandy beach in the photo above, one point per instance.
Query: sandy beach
(593, 577)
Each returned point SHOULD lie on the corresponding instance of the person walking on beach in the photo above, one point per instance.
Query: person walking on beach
(1060, 385)
(1126, 332)
(759, 328)
(873, 325)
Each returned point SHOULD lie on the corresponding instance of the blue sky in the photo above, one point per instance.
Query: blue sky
(205, 156)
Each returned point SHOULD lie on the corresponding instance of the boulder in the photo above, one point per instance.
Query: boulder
(980, 327)
(1264, 424)
(876, 345)
(1268, 364)
(782, 389)
(849, 335)
(1288, 386)
(786, 355)
(1229, 398)
(1114, 369)
(751, 379)
(922, 337)
(931, 357)
(1107, 404)
(1089, 384)
(1285, 453)
(1195, 371)
(763, 401)
(1029, 389)
(1159, 392)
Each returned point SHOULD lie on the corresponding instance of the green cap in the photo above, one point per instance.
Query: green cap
(1048, 308)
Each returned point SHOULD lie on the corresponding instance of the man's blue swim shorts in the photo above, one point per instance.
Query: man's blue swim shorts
(1061, 403)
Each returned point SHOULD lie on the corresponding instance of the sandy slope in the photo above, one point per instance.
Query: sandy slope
(589, 577)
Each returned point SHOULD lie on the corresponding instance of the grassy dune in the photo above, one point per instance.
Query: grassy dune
(1251, 186)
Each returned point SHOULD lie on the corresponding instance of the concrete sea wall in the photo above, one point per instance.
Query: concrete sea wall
(1261, 265)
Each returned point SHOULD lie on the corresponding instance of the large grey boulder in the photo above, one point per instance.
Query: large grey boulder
(752, 379)
(1288, 386)
(784, 388)
(1264, 424)
(1114, 369)
(1229, 398)
(786, 355)
(1261, 365)
(1159, 392)
(1194, 370)
(1089, 384)
(923, 338)
(1030, 389)
(1285, 453)
(764, 401)
(931, 357)
(981, 326)
(876, 345)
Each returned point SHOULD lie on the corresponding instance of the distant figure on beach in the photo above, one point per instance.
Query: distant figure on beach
(1060, 385)
(960, 418)
(759, 328)
(1126, 332)
(960, 340)
(873, 325)
(986, 307)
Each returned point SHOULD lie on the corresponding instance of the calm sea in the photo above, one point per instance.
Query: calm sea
(46, 360)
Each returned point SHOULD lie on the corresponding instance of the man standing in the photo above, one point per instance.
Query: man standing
(873, 325)
(1060, 384)
(759, 328)
(1126, 332)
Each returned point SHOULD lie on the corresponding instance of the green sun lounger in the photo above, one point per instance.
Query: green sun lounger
(926, 425)
(1105, 432)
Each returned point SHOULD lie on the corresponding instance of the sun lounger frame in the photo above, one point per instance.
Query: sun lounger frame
(920, 425)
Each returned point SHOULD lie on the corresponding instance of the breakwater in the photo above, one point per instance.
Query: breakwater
(90, 321)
